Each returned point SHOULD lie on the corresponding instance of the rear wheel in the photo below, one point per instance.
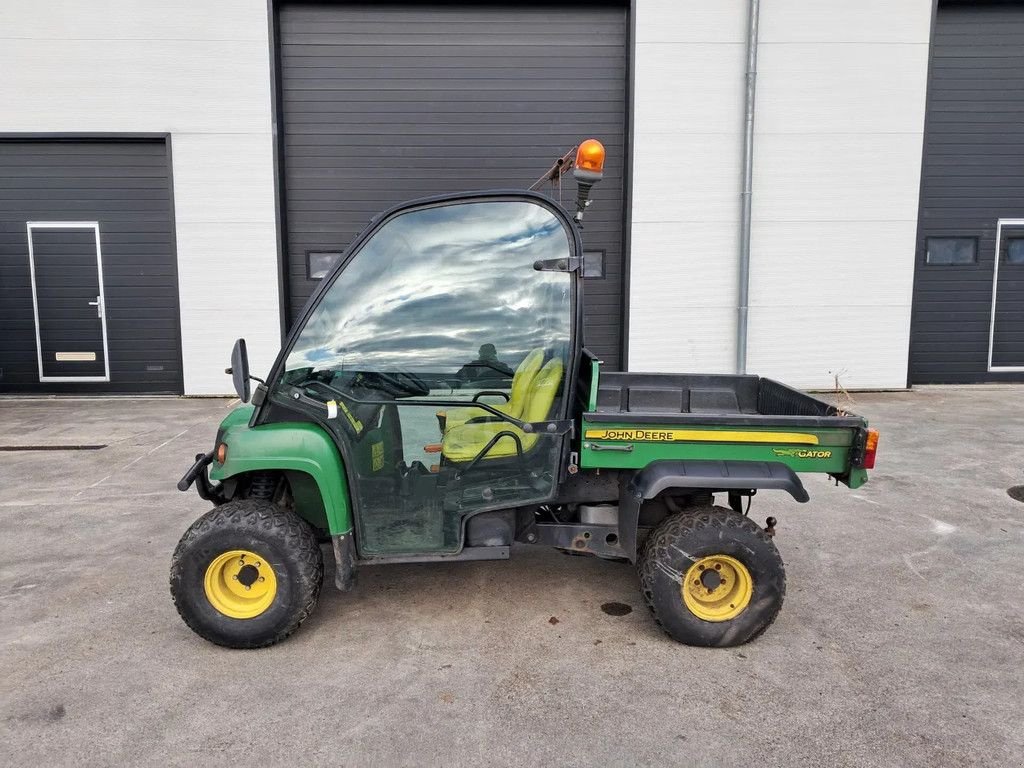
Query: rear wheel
(246, 574)
(712, 577)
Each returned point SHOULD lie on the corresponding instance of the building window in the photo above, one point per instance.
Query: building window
(593, 263)
(1015, 250)
(319, 263)
(948, 251)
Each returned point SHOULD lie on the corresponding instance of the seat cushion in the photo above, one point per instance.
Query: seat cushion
(463, 443)
(456, 417)
(521, 383)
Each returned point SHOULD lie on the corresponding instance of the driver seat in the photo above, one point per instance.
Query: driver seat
(521, 381)
(464, 443)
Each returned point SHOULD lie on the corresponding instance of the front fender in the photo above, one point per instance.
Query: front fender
(296, 446)
(712, 476)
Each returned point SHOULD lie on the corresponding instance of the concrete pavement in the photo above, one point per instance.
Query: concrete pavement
(901, 642)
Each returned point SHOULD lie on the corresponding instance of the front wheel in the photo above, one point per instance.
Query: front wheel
(712, 577)
(246, 574)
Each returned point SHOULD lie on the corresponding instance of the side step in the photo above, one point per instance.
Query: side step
(468, 553)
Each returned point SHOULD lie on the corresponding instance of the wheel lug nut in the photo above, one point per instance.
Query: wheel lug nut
(262, 579)
(247, 588)
(718, 567)
(258, 564)
(235, 577)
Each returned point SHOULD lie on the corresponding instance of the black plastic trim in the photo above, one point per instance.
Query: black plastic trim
(659, 476)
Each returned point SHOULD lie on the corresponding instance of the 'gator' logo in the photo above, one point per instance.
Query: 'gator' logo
(802, 453)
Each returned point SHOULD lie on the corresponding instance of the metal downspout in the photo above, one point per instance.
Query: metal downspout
(745, 196)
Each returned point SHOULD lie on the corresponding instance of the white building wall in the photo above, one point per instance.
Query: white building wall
(837, 166)
(841, 99)
(687, 139)
(839, 129)
(200, 71)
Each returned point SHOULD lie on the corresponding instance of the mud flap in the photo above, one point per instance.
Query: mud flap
(344, 561)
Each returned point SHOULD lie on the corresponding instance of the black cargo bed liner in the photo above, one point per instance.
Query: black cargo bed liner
(688, 398)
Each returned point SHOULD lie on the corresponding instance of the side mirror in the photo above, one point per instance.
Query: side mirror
(239, 371)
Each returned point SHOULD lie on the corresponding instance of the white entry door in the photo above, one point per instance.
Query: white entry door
(67, 295)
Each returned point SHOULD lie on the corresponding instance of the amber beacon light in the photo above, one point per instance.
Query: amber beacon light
(590, 156)
(588, 169)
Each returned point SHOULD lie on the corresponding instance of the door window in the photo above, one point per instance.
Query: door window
(433, 343)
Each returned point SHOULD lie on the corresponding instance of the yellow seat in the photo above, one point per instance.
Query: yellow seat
(464, 443)
(521, 381)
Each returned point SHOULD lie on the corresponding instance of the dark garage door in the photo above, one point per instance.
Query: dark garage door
(88, 280)
(388, 102)
(970, 253)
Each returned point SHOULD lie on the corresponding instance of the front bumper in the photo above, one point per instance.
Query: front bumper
(197, 474)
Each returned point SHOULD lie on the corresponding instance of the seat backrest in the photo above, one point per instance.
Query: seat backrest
(543, 390)
(522, 379)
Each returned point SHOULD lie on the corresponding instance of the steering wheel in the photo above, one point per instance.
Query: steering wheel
(400, 384)
(502, 371)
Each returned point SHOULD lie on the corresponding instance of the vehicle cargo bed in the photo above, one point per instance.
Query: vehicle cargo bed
(683, 398)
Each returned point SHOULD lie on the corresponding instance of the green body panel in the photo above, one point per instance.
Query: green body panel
(241, 414)
(595, 375)
(798, 457)
(856, 479)
(297, 447)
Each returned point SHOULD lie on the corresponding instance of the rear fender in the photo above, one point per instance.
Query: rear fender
(695, 474)
(290, 446)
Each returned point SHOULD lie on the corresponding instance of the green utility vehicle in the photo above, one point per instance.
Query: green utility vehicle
(435, 402)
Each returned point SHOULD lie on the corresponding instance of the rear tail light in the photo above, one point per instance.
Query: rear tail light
(870, 449)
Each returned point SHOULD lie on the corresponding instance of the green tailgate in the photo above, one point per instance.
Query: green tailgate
(622, 445)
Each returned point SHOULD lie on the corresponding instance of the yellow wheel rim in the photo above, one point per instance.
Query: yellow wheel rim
(717, 588)
(240, 584)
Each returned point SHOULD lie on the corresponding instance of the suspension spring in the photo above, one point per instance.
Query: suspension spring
(262, 486)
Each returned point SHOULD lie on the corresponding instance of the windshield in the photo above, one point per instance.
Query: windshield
(446, 294)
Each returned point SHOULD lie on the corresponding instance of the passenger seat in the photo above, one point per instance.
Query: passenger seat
(521, 381)
(464, 443)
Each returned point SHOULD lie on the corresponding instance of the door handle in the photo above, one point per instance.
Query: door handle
(99, 306)
(620, 448)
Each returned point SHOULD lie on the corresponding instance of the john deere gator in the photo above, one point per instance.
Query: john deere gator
(436, 402)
